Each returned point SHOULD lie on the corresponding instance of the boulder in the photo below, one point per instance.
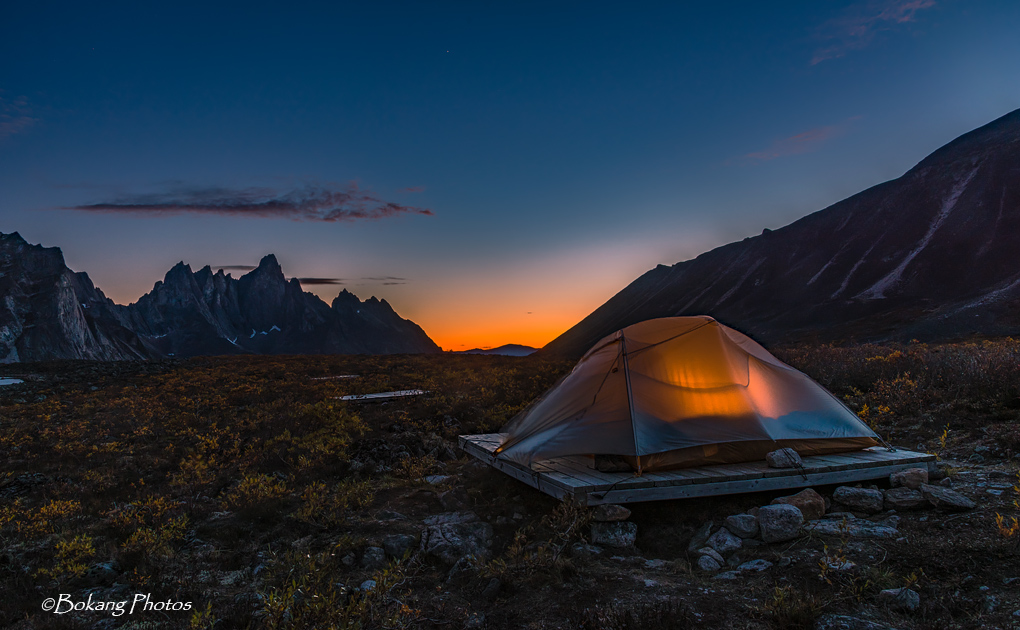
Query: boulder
(617, 534)
(904, 498)
(373, 558)
(946, 499)
(900, 599)
(724, 541)
(857, 528)
(466, 568)
(450, 518)
(755, 565)
(910, 478)
(396, 545)
(859, 499)
(608, 513)
(368, 585)
(708, 563)
(743, 525)
(810, 503)
(713, 554)
(779, 522)
(784, 458)
(450, 541)
(700, 536)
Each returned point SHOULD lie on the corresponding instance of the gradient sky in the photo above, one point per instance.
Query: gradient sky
(495, 171)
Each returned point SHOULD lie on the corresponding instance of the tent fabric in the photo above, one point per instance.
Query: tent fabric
(678, 392)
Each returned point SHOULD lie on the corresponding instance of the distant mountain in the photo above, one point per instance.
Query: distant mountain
(509, 350)
(50, 312)
(933, 254)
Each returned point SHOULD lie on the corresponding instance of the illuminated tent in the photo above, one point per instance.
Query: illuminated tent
(679, 392)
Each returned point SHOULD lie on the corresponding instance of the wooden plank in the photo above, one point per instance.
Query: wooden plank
(576, 477)
(625, 495)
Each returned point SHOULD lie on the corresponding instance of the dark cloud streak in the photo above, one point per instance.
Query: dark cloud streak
(321, 280)
(326, 203)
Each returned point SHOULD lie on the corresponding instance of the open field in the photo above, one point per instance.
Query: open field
(242, 487)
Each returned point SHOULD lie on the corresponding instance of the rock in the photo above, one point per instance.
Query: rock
(810, 503)
(453, 500)
(450, 518)
(474, 621)
(708, 563)
(396, 545)
(389, 515)
(368, 585)
(900, 598)
(491, 590)
(728, 575)
(946, 499)
(700, 537)
(607, 513)
(655, 563)
(743, 525)
(349, 560)
(618, 534)
(436, 480)
(784, 458)
(947, 482)
(373, 558)
(712, 553)
(462, 570)
(857, 528)
(449, 541)
(581, 550)
(859, 499)
(845, 622)
(755, 565)
(910, 478)
(904, 498)
(724, 541)
(779, 522)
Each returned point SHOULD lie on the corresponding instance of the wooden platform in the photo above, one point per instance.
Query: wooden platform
(576, 478)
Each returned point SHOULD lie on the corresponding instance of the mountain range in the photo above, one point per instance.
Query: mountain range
(507, 350)
(930, 255)
(50, 312)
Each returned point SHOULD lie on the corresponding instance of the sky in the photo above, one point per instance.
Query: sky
(495, 171)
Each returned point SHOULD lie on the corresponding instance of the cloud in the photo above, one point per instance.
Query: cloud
(15, 116)
(314, 202)
(413, 189)
(386, 280)
(857, 27)
(321, 280)
(804, 142)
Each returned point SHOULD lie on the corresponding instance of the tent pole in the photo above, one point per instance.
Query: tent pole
(630, 398)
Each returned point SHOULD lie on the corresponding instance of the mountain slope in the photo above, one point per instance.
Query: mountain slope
(49, 312)
(932, 254)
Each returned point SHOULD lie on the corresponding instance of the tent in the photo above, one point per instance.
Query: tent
(678, 392)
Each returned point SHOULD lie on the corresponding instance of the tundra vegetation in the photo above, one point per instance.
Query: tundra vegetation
(244, 486)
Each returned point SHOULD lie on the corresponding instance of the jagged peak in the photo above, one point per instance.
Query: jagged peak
(269, 263)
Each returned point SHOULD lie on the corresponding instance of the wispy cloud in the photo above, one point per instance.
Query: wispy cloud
(386, 280)
(313, 202)
(413, 189)
(804, 142)
(321, 280)
(857, 27)
(15, 116)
